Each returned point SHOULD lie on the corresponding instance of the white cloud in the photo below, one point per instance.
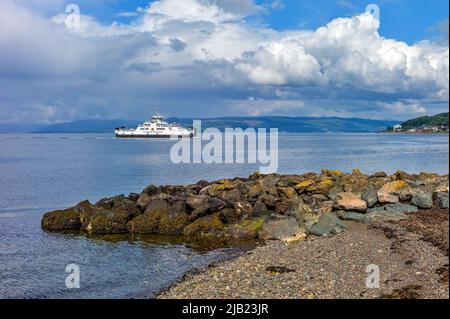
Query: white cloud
(201, 58)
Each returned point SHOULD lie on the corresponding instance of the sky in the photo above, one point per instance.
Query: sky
(208, 58)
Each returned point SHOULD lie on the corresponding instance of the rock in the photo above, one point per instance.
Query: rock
(151, 190)
(384, 215)
(260, 209)
(202, 183)
(376, 209)
(354, 216)
(125, 204)
(279, 228)
(281, 207)
(301, 187)
(255, 176)
(134, 196)
(98, 220)
(423, 200)
(210, 225)
(160, 218)
(326, 207)
(327, 225)
(230, 215)
(143, 200)
(304, 215)
(145, 223)
(350, 201)
(319, 197)
(322, 187)
(232, 196)
(334, 174)
(379, 174)
(441, 199)
(370, 197)
(269, 200)
(269, 181)
(401, 208)
(301, 236)
(403, 176)
(392, 192)
(334, 191)
(67, 219)
(255, 190)
(194, 202)
(289, 181)
(247, 228)
(215, 204)
(172, 222)
(287, 192)
(157, 205)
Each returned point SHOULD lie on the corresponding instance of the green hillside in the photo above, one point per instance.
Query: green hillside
(436, 120)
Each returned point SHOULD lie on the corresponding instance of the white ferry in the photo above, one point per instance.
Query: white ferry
(156, 128)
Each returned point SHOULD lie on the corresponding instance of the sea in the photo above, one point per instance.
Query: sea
(43, 172)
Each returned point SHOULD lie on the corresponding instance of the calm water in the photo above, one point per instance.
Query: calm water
(44, 172)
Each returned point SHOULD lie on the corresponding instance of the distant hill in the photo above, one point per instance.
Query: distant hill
(284, 124)
(295, 124)
(87, 126)
(436, 120)
(20, 128)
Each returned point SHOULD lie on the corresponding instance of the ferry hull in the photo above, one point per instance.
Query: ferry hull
(153, 136)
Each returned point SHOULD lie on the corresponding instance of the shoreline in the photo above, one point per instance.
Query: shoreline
(325, 220)
(414, 266)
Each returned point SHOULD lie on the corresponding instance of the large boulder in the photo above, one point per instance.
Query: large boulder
(393, 192)
(423, 200)
(304, 214)
(279, 228)
(210, 225)
(98, 220)
(161, 218)
(247, 228)
(328, 224)
(350, 201)
(67, 219)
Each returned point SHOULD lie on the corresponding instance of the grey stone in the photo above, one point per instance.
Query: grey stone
(354, 216)
(327, 225)
(401, 208)
(385, 215)
(376, 209)
(423, 200)
(370, 196)
(279, 228)
(441, 199)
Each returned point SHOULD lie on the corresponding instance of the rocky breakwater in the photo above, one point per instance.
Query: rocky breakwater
(282, 207)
